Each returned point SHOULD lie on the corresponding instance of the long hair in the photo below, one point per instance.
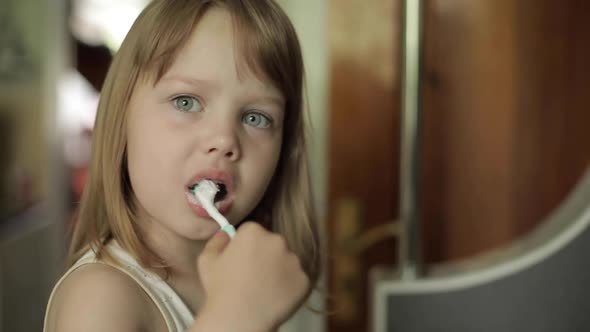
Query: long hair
(268, 46)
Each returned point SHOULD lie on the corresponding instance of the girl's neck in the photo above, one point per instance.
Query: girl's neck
(180, 257)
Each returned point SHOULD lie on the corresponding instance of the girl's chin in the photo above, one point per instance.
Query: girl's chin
(205, 231)
(205, 234)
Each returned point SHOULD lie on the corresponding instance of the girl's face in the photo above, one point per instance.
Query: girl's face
(202, 121)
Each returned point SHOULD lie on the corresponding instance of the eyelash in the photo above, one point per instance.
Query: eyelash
(266, 118)
(197, 100)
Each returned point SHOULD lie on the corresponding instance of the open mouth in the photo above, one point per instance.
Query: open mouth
(221, 192)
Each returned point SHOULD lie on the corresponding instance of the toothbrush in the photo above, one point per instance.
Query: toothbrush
(205, 192)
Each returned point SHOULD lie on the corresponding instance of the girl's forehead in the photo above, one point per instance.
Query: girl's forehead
(211, 58)
(224, 40)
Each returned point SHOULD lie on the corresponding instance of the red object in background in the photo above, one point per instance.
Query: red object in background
(79, 177)
(80, 173)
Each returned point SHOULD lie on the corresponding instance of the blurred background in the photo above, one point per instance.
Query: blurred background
(503, 133)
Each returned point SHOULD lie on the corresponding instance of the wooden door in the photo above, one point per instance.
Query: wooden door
(363, 148)
(505, 134)
(505, 119)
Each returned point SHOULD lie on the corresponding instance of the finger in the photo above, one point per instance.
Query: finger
(216, 244)
(251, 227)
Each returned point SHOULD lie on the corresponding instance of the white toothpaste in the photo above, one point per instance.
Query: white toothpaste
(205, 192)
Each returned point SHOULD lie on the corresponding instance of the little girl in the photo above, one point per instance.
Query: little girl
(200, 89)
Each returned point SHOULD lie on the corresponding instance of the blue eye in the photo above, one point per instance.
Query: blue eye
(187, 104)
(256, 119)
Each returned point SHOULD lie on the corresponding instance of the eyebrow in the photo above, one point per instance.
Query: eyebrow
(271, 99)
(268, 98)
(189, 81)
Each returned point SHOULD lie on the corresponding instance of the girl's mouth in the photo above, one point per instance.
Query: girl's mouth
(221, 194)
(224, 197)
(223, 200)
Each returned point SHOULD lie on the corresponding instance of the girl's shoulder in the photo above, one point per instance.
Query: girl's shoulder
(98, 297)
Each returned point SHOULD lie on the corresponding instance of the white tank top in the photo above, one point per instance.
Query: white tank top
(175, 312)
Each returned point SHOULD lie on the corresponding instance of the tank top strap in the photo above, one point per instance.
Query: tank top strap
(174, 311)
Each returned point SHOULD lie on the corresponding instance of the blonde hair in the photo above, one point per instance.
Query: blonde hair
(269, 44)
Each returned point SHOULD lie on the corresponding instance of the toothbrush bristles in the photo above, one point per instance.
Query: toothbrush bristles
(205, 192)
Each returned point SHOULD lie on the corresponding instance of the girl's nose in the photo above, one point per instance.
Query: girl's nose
(219, 137)
(224, 145)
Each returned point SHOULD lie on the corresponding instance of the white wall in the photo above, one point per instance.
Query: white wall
(310, 20)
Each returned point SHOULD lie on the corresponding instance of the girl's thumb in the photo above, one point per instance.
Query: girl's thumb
(216, 244)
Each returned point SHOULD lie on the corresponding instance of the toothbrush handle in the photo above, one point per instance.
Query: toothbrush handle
(220, 219)
(230, 230)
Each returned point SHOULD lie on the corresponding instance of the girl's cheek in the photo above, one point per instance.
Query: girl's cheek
(264, 134)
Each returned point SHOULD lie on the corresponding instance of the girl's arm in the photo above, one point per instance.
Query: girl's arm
(97, 297)
(253, 283)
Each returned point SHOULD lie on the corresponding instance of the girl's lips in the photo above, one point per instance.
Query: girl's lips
(222, 206)
(215, 175)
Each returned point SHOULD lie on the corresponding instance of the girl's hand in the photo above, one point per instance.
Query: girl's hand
(253, 283)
